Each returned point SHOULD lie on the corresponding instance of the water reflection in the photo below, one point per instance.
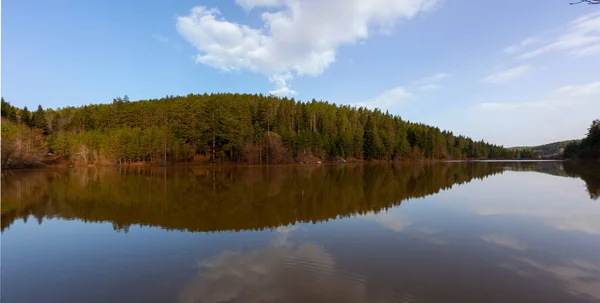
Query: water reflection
(504, 241)
(562, 212)
(242, 198)
(587, 171)
(265, 275)
(225, 198)
(517, 232)
(580, 277)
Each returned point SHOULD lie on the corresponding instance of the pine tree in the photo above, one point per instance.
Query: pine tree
(39, 119)
(25, 116)
(240, 127)
(370, 142)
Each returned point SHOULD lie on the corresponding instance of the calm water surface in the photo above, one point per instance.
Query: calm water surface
(446, 232)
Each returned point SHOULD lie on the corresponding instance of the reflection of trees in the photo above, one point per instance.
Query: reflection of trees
(226, 198)
(551, 167)
(587, 171)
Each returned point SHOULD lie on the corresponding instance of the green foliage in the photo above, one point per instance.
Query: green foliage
(21, 146)
(588, 148)
(39, 119)
(25, 117)
(547, 150)
(241, 128)
(8, 111)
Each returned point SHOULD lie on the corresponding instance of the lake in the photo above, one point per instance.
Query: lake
(443, 232)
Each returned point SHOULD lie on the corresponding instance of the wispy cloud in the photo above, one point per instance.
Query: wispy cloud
(580, 38)
(427, 87)
(507, 75)
(583, 90)
(399, 94)
(430, 82)
(434, 78)
(587, 51)
(568, 95)
(525, 42)
(387, 99)
(501, 106)
(161, 38)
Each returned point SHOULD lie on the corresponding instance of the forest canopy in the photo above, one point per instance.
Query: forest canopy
(588, 147)
(241, 128)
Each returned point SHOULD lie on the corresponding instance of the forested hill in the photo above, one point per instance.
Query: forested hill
(242, 128)
(588, 148)
(547, 150)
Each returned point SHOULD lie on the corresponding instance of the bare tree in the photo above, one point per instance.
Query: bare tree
(586, 1)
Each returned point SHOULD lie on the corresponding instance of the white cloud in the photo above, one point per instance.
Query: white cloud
(583, 90)
(250, 4)
(434, 78)
(501, 106)
(525, 42)
(427, 87)
(161, 38)
(507, 75)
(580, 38)
(387, 99)
(282, 91)
(586, 51)
(280, 82)
(430, 82)
(399, 94)
(569, 95)
(561, 113)
(299, 38)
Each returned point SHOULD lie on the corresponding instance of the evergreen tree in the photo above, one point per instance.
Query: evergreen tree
(25, 116)
(241, 128)
(39, 119)
(370, 143)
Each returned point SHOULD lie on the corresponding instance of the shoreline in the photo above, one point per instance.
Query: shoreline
(66, 164)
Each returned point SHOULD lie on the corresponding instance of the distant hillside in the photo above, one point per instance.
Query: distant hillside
(239, 128)
(547, 150)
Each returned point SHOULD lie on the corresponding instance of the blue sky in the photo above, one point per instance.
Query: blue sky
(509, 72)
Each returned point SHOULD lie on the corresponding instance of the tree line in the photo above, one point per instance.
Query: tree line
(241, 128)
(588, 147)
(550, 150)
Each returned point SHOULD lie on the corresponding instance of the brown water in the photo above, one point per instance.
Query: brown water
(446, 232)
